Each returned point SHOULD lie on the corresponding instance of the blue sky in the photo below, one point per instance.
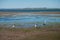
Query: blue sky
(29, 4)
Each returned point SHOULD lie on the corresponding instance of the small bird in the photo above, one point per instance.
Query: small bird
(35, 25)
(13, 26)
(44, 22)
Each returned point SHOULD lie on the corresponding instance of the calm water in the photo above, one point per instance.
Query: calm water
(29, 20)
(29, 10)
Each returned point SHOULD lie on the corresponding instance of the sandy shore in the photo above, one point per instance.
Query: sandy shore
(26, 13)
(30, 34)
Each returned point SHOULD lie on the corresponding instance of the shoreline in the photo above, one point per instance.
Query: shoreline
(26, 13)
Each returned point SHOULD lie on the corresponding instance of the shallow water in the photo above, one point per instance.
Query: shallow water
(29, 20)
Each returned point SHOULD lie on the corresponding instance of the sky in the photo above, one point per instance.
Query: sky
(8, 4)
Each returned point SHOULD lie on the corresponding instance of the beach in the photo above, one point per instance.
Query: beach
(30, 34)
(29, 19)
(26, 13)
(24, 26)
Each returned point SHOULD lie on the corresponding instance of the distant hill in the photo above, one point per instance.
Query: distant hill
(29, 10)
